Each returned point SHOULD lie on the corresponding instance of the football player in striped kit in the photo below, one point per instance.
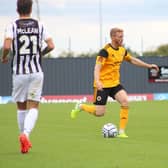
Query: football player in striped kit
(25, 36)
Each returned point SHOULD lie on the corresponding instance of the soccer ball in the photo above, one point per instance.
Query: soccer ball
(109, 130)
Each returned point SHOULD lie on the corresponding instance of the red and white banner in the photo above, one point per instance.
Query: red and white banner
(89, 98)
(66, 98)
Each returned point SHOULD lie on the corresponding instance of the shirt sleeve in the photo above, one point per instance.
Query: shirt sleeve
(101, 58)
(127, 56)
(45, 34)
(9, 31)
(103, 53)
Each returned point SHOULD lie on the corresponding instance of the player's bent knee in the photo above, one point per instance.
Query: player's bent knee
(99, 115)
(100, 111)
(125, 104)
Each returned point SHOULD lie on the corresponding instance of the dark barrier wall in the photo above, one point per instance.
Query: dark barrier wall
(75, 76)
(68, 76)
(5, 79)
(135, 79)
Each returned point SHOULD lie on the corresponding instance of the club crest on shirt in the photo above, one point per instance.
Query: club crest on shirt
(99, 98)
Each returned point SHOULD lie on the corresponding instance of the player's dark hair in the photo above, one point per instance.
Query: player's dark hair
(24, 7)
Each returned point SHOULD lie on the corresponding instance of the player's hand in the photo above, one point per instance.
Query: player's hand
(99, 85)
(154, 66)
(4, 60)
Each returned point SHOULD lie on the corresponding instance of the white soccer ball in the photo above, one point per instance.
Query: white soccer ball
(109, 130)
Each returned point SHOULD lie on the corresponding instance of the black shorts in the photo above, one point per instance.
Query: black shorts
(100, 96)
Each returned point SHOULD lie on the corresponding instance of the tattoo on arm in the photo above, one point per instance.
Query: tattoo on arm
(46, 50)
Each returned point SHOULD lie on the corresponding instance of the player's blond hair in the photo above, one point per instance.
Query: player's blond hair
(114, 30)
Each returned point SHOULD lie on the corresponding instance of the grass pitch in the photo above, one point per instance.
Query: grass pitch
(60, 142)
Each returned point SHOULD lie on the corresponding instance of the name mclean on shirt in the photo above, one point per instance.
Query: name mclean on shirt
(28, 30)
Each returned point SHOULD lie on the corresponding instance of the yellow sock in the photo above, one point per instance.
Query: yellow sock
(123, 117)
(88, 108)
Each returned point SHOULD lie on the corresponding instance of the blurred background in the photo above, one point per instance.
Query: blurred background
(81, 27)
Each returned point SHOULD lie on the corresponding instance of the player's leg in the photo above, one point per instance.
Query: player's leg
(82, 107)
(21, 114)
(97, 109)
(122, 98)
(29, 124)
(31, 117)
(33, 99)
(19, 95)
(25, 144)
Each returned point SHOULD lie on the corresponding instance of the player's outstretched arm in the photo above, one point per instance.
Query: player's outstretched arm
(141, 63)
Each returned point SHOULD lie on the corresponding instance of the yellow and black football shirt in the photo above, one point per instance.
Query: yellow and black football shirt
(111, 60)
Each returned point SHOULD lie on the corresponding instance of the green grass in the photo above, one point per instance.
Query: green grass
(59, 142)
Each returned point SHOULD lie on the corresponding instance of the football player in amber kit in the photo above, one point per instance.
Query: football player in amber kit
(107, 80)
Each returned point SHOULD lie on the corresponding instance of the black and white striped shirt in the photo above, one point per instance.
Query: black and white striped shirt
(27, 36)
